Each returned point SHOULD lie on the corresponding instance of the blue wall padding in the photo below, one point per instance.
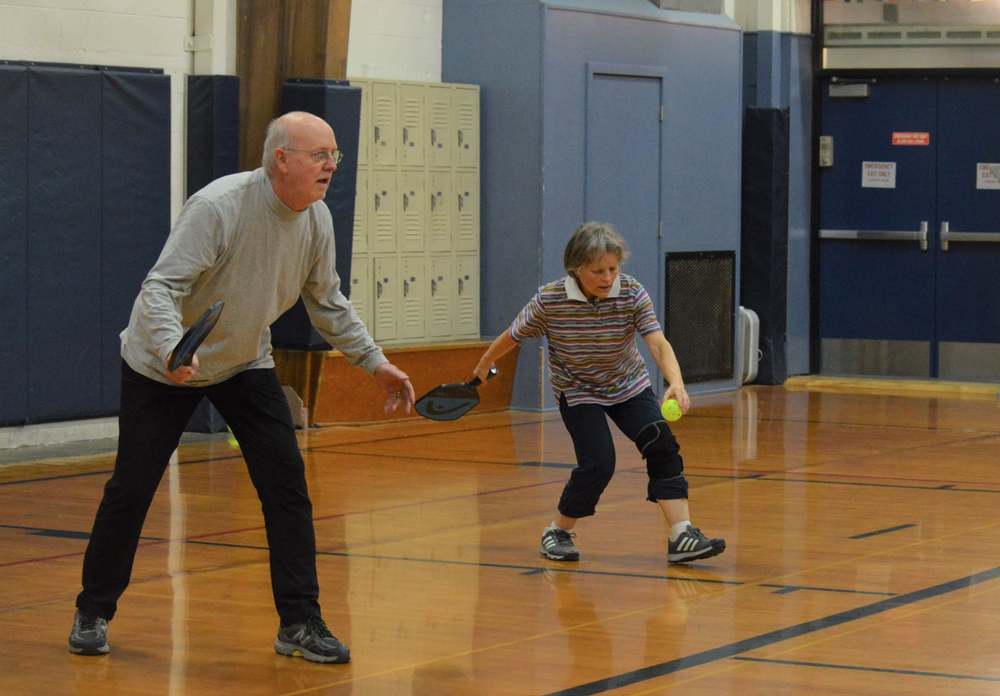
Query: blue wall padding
(338, 104)
(84, 210)
(13, 243)
(64, 242)
(212, 129)
(135, 205)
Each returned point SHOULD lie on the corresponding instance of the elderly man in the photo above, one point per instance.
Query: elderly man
(257, 240)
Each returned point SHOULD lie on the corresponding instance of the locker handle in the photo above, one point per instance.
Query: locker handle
(406, 288)
(461, 203)
(406, 135)
(377, 131)
(433, 202)
(434, 136)
(434, 286)
(460, 138)
(947, 236)
(378, 289)
(406, 202)
(378, 202)
(881, 235)
(461, 286)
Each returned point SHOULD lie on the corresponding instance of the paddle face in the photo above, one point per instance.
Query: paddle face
(447, 402)
(450, 401)
(184, 350)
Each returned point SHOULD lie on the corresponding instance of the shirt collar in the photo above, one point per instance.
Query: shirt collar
(276, 205)
(573, 291)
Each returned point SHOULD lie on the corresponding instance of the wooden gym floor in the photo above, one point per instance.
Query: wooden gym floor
(863, 558)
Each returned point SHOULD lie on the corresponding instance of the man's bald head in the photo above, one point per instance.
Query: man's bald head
(288, 129)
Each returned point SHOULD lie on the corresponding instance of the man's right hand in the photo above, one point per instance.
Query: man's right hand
(183, 373)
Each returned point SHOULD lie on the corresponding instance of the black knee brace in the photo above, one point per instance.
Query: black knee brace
(658, 447)
(663, 462)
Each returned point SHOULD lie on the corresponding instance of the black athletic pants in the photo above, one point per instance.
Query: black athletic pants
(595, 452)
(152, 419)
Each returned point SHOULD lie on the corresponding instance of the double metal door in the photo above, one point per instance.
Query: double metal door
(910, 227)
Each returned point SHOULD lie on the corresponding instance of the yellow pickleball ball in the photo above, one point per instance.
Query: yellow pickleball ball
(671, 410)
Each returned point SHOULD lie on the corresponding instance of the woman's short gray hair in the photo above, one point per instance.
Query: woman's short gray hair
(591, 241)
(277, 136)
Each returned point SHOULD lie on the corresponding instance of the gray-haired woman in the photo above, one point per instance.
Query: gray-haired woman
(590, 319)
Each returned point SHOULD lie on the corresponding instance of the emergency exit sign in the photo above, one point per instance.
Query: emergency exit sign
(919, 139)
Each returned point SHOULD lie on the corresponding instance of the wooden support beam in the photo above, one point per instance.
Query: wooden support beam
(281, 39)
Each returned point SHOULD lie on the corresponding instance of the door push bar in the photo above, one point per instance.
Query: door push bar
(881, 235)
(948, 236)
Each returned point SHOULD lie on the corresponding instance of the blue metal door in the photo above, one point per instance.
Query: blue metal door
(623, 166)
(909, 209)
(968, 248)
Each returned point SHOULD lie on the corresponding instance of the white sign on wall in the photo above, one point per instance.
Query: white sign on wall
(988, 175)
(878, 175)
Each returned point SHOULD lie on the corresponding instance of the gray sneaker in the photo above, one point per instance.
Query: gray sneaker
(692, 545)
(557, 544)
(311, 640)
(89, 635)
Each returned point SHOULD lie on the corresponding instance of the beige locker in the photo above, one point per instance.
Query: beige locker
(361, 287)
(466, 199)
(439, 217)
(385, 122)
(413, 124)
(413, 307)
(412, 211)
(467, 296)
(442, 126)
(359, 243)
(365, 128)
(382, 192)
(466, 107)
(386, 302)
(442, 294)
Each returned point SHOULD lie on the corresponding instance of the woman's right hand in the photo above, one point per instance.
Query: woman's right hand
(482, 370)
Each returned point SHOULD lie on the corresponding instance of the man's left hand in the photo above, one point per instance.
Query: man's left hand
(397, 386)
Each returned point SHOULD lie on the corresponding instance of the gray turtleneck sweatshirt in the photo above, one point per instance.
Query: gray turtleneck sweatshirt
(236, 241)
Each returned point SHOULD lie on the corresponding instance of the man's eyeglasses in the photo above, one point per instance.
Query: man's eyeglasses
(321, 155)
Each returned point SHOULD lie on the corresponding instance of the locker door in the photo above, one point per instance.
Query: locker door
(441, 296)
(412, 117)
(440, 219)
(386, 298)
(467, 295)
(467, 212)
(365, 128)
(361, 288)
(413, 209)
(413, 277)
(360, 234)
(467, 122)
(382, 220)
(442, 127)
(384, 123)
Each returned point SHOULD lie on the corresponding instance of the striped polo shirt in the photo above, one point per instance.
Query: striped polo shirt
(593, 355)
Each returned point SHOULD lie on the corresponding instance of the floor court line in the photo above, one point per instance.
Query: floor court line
(860, 668)
(776, 636)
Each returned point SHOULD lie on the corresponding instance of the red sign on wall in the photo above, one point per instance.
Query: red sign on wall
(911, 139)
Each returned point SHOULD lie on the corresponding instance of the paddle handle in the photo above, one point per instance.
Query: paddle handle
(475, 381)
